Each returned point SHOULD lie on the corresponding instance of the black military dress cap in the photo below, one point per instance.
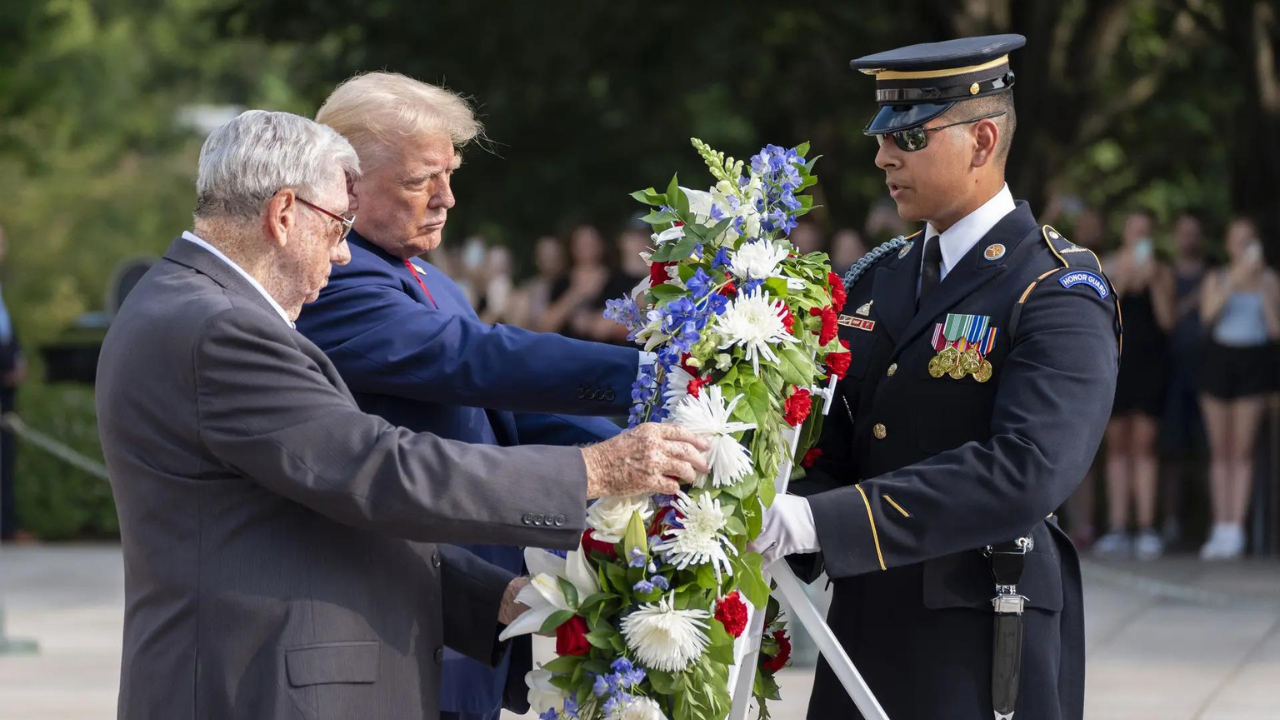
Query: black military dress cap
(917, 83)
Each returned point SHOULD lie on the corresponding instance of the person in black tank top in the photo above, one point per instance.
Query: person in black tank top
(1146, 290)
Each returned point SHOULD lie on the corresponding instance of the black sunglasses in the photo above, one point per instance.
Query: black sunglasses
(917, 138)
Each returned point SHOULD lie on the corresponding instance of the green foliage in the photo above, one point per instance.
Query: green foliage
(54, 500)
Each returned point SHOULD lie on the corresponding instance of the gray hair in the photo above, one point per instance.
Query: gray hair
(259, 153)
(377, 110)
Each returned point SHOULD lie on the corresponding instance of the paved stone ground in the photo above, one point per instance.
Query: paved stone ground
(1173, 640)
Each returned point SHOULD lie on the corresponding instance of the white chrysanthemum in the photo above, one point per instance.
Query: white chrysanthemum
(708, 416)
(757, 260)
(755, 323)
(664, 638)
(700, 539)
(637, 708)
(543, 595)
(542, 694)
(609, 515)
(678, 380)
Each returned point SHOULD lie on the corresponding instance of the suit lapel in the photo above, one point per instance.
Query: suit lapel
(894, 289)
(972, 272)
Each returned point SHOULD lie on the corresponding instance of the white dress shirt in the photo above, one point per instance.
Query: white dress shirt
(192, 237)
(959, 238)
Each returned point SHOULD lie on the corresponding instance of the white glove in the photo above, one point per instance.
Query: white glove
(788, 529)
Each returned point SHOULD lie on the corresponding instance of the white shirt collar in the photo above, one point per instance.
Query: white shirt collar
(959, 238)
(256, 285)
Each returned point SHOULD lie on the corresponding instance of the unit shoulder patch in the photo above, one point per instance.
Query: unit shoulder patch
(1086, 277)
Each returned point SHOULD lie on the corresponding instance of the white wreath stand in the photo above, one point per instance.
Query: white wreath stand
(742, 676)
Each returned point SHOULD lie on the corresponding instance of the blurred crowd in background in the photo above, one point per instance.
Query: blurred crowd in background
(1198, 382)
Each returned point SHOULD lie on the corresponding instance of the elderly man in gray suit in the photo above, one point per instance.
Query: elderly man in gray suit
(277, 541)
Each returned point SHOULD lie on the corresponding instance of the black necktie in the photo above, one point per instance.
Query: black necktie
(931, 272)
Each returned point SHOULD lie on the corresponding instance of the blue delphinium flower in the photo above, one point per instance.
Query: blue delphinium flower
(643, 586)
(636, 558)
(625, 312)
(571, 706)
(717, 303)
(781, 220)
(716, 213)
(621, 665)
(550, 714)
(601, 686)
(751, 286)
(660, 582)
(699, 284)
(635, 677)
(721, 259)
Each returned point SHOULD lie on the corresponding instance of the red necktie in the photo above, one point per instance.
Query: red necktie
(414, 272)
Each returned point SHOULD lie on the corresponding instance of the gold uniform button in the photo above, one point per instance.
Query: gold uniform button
(893, 369)
(879, 431)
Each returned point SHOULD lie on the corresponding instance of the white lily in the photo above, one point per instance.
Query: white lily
(672, 233)
(542, 694)
(543, 595)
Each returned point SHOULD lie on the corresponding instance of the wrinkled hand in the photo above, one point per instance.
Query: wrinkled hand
(512, 608)
(788, 529)
(649, 458)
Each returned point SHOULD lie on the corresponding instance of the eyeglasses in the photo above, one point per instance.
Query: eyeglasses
(345, 222)
(917, 138)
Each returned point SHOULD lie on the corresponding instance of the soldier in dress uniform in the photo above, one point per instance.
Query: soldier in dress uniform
(985, 350)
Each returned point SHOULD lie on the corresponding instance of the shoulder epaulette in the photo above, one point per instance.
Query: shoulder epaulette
(873, 257)
(1073, 257)
(1068, 253)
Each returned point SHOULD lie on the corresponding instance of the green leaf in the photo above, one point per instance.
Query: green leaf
(752, 582)
(555, 620)
(707, 578)
(678, 200)
(570, 592)
(601, 639)
(768, 490)
(754, 514)
(802, 149)
(743, 488)
(777, 286)
(649, 196)
(666, 291)
(661, 681)
(658, 217)
(735, 526)
(563, 665)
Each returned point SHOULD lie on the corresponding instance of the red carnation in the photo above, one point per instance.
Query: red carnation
(829, 327)
(695, 386)
(571, 637)
(732, 613)
(811, 457)
(729, 289)
(589, 543)
(779, 661)
(796, 408)
(789, 321)
(838, 363)
(837, 291)
(658, 273)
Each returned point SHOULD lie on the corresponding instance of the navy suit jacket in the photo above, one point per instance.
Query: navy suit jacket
(417, 355)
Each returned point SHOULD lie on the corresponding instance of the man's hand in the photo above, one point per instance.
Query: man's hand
(649, 458)
(788, 529)
(511, 608)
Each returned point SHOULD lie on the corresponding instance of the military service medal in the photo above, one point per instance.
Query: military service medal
(963, 342)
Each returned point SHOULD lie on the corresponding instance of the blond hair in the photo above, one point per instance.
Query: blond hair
(376, 110)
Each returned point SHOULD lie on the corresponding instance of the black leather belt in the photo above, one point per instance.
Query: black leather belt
(1007, 560)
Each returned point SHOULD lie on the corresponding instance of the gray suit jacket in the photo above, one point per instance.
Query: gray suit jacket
(277, 541)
